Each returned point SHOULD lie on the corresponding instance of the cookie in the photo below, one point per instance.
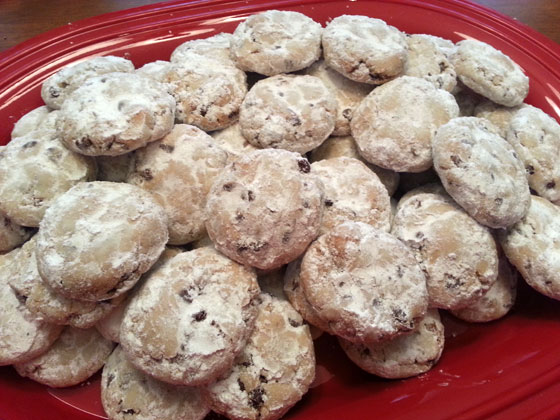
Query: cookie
(498, 115)
(497, 301)
(364, 49)
(334, 147)
(274, 370)
(445, 45)
(395, 124)
(276, 41)
(11, 234)
(74, 357)
(457, 254)
(192, 317)
(296, 113)
(154, 70)
(232, 141)
(364, 283)
(490, 73)
(34, 170)
(98, 238)
(404, 356)
(56, 89)
(114, 168)
(216, 47)
(352, 192)
(532, 245)
(429, 62)
(264, 209)
(535, 136)
(348, 94)
(481, 171)
(115, 113)
(45, 303)
(208, 92)
(127, 393)
(23, 336)
(30, 121)
(178, 171)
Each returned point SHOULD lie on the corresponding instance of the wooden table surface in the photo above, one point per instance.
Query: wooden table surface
(23, 19)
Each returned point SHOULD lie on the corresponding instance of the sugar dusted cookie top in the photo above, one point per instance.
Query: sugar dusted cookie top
(275, 42)
(217, 47)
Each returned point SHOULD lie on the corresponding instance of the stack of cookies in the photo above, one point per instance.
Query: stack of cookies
(191, 233)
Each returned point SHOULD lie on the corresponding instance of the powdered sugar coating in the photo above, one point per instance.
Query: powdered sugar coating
(115, 113)
(74, 357)
(191, 318)
(394, 125)
(532, 245)
(59, 86)
(11, 234)
(364, 49)
(348, 94)
(264, 209)
(274, 370)
(497, 301)
(23, 335)
(34, 170)
(427, 60)
(481, 171)
(364, 283)
(208, 92)
(498, 115)
(94, 244)
(154, 70)
(404, 356)
(295, 113)
(216, 47)
(232, 141)
(352, 192)
(179, 171)
(276, 41)
(490, 73)
(535, 136)
(457, 254)
(334, 147)
(30, 121)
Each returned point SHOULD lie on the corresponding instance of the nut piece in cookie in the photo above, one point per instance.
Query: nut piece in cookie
(265, 208)
(275, 42)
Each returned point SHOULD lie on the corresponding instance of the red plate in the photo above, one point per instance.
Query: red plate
(508, 369)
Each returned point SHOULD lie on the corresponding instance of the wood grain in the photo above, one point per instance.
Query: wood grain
(23, 19)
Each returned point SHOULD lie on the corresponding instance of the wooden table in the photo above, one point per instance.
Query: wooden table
(23, 19)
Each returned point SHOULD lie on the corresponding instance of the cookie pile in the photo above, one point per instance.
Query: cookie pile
(210, 228)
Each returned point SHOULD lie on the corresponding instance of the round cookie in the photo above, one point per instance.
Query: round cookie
(30, 121)
(11, 234)
(23, 336)
(497, 301)
(275, 42)
(457, 254)
(535, 136)
(127, 393)
(481, 171)
(352, 192)
(114, 168)
(208, 92)
(59, 86)
(445, 45)
(34, 170)
(490, 73)
(154, 70)
(296, 113)
(334, 147)
(404, 356)
(532, 245)
(191, 318)
(364, 49)
(427, 61)
(217, 47)
(498, 115)
(274, 370)
(364, 283)
(179, 171)
(74, 357)
(115, 113)
(395, 124)
(98, 238)
(348, 94)
(264, 209)
(232, 141)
